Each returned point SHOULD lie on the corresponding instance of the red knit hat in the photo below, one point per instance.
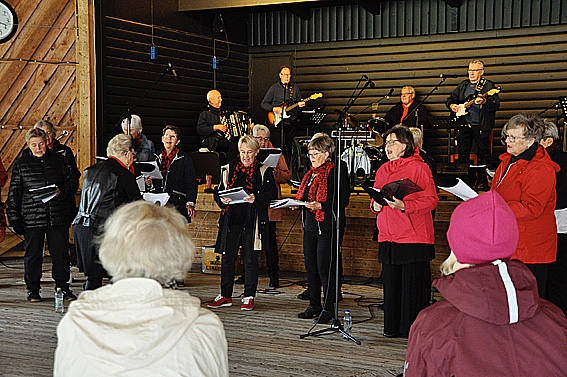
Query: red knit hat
(483, 229)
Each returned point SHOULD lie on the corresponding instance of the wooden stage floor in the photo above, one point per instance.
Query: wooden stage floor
(263, 342)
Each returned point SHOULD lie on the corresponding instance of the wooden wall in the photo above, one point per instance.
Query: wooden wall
(37, 72)
(529, 64)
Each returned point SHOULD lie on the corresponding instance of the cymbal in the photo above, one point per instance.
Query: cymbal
(351, 119)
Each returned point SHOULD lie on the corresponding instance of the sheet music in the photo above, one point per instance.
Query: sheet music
(161, 198)
(155, 173)
(461, 189)
(236, 195)
(285, 203)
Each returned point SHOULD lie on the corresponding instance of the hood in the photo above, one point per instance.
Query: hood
(480, 292)
(132, 317)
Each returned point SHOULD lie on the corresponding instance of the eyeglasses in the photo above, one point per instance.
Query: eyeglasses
(313, 154)
(285, 74)
(513, 139)
(392, 142)
(406, 94)
(476, 70)
(170, 136)
(266, 139)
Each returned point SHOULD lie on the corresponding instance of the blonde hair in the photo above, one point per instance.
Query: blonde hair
(119, 145)
(417, 136)
(142, 239)
(249, 141)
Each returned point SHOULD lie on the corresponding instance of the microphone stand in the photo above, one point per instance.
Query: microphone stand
(336, 326)
(416, 109)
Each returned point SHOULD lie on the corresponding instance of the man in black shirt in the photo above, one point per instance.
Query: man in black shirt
(283, 127)
(210, 129)
(404, 111)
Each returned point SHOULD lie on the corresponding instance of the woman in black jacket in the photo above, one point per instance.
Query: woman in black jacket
(243, 224)
(179, 178)
(106, 186)
(35, 213)
(319, 189)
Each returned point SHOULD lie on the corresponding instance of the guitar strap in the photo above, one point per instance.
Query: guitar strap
(479, 86)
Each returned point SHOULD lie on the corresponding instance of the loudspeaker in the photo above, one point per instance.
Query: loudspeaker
(206, 162)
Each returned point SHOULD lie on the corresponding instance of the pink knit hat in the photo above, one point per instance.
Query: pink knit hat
(483, 229)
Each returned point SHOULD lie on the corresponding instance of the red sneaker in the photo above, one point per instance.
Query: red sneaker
(219, 302)
(247, 303)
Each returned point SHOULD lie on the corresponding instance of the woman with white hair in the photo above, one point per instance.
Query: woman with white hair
(136, 326)
(243, 224)
(106, 185)
(491, 321)
(143, 146)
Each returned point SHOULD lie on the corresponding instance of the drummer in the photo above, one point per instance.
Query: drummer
(403, 112)
(210, 129)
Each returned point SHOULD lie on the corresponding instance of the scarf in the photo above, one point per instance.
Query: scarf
(166, 159)
(319, 186)
(249, 172)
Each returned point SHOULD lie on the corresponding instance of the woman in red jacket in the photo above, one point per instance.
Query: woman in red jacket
(526, 180)
(405, 233)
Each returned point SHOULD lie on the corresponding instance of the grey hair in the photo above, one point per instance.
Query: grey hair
(531, 125)
(135, 123)
(141, 239)
(119, 145)
(260, 127)
(249, 141)
(478, 62)
(550, 130)
(46, 124)
(410, 88)
(322, 142)
(417, 136)
(35, 132)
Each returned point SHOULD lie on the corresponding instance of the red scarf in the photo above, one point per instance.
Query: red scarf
(130, 169)
(166, 159)
(249, 171)
(319, 186)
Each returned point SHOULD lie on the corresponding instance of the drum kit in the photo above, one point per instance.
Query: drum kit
(365, 156)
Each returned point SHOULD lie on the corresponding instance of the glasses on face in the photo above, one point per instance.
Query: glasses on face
(392, 142)
(170, 136)
(475, 70)
(265, 139)
(313, 154)
(513, 139)
(406, 94)
(285, 74)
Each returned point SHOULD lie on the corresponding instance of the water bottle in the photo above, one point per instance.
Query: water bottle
(347, 323)
(59, 301)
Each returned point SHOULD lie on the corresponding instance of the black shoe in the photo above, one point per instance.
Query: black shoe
(240, 280)
(68, 295)
(275, 283)
(309, 313)
(394, 335)
(324, 318)
(304, 295)
(33, 296)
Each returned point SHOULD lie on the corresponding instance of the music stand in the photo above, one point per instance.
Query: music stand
(446, 122)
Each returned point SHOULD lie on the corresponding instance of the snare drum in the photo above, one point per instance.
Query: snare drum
(378, 125)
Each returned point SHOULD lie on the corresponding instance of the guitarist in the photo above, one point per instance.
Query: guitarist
(278, 96)
(479, 121)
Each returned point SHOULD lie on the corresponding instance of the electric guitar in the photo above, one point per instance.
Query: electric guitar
(463, 107)
(274, 119)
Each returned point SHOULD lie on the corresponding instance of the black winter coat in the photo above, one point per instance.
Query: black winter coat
(106, 186)
(180, 182)
(265, 191)
(29, 172)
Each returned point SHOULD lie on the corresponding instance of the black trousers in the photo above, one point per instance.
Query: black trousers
(319, 252)
(272, 257)
(282, 137)
(407, 288)
(541, 272)
(465, 139)
(239, 236)
(557, 275)
(58, 244)
(88, 254)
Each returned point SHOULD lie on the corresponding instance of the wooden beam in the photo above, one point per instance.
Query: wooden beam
(188, 5)
(85, 83)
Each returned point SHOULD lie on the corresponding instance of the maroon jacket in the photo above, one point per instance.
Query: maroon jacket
(468, 333)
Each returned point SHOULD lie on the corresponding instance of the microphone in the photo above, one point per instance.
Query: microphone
(172, 70)
(368, 81)
(444, 76)
(390, 93)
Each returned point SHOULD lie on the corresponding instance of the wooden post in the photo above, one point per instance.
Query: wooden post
(86, 127)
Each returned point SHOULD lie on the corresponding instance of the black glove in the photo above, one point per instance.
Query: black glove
(18, 228)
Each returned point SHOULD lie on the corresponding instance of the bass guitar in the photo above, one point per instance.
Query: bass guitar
(463, 107)
(274, 119)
